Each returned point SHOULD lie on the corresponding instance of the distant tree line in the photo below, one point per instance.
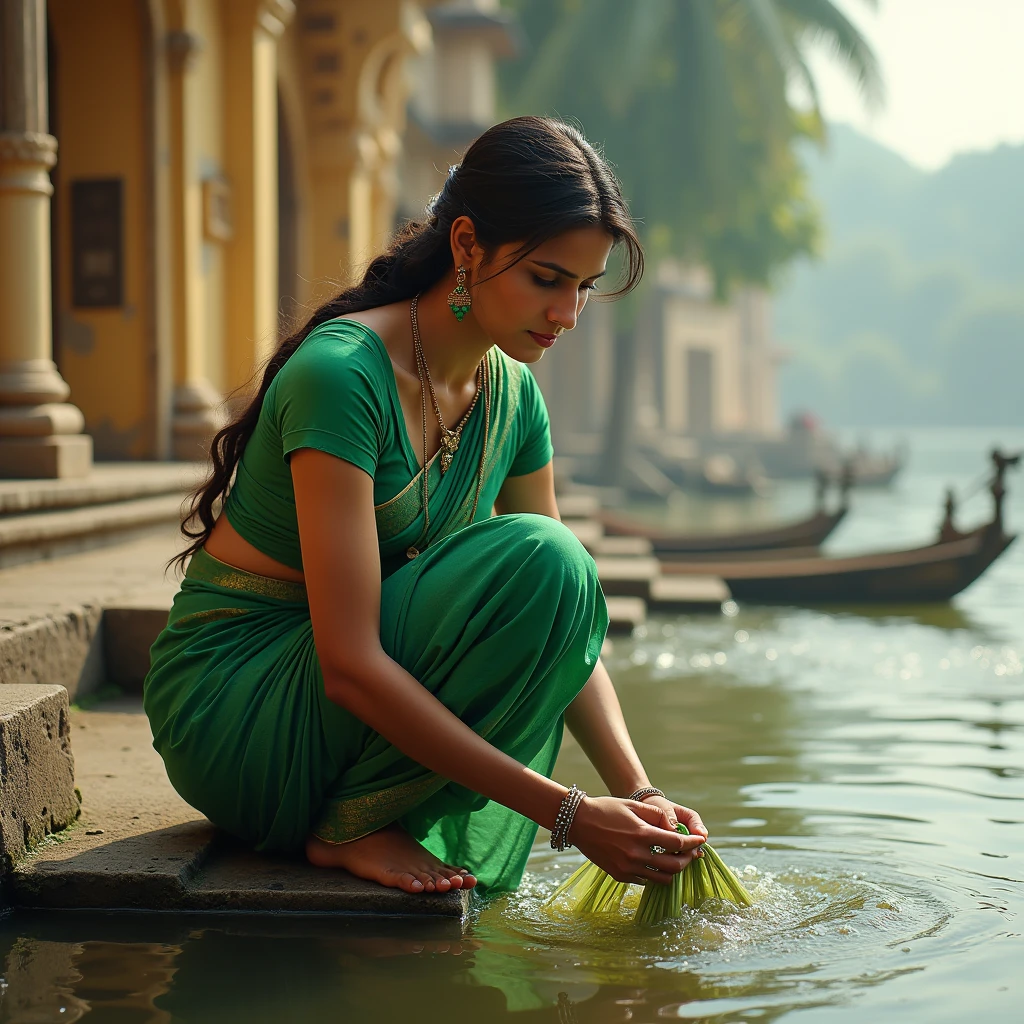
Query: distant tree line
(914, 314)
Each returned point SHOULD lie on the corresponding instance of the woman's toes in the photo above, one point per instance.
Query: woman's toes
(443, 884)
(409, 882)
(426, 880)
(468, 881)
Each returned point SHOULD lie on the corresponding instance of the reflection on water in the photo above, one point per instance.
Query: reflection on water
(863, 768)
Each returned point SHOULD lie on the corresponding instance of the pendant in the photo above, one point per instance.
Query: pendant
(412, 551)
(449, 446)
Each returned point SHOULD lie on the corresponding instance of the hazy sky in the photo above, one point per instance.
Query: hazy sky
(954, 75)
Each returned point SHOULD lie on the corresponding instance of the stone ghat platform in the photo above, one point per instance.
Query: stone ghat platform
(138, 846)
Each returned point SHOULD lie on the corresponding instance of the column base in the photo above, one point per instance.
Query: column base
(58, 457)
(198, 415)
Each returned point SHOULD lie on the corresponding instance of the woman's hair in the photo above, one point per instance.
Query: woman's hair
(523, 181)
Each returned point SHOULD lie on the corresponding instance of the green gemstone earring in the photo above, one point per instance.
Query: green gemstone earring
(460, 300)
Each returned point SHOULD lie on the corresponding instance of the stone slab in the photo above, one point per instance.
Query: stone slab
(689, 593)
(139, 846)
(136, 841)
(623, 547)
(106, 482)
(627, 577)
(37, 770)
(625, 614)
(239, 880)
(56, 533)
(578, 506)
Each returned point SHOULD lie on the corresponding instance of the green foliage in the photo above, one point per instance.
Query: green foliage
(915, 315)
(692, 103)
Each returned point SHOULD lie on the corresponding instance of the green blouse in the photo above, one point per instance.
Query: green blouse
(337, 393)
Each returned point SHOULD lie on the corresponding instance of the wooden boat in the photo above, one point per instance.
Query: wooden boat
(668, 545)
(932, 573)
(807, 533)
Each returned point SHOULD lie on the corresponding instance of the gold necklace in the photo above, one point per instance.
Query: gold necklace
(449, 438)
(483, 385)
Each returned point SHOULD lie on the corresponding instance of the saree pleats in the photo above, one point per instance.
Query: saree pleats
(502, 621)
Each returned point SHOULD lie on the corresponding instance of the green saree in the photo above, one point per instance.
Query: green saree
(501, 619)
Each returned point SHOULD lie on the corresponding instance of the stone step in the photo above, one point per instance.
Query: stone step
(106, 483)
(627, 577)
(578, 506)
(588, 532)
(701, 593)
(625, 614)
(59, 532)
(623, 547)
(139, 846)
(641, 578)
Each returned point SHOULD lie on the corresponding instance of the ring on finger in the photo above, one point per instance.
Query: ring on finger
(658, 849)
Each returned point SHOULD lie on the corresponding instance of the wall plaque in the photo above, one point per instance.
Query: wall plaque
(97, 243)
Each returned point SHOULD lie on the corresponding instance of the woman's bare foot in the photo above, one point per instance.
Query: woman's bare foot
(392, 857)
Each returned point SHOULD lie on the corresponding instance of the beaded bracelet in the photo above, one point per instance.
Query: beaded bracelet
(563, 819)
(646, 791)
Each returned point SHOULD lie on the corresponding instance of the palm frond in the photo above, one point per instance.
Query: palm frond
(822, 21)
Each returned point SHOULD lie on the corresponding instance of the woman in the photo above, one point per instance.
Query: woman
(362, 661)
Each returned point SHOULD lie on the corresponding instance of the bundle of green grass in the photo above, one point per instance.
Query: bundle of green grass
(589, 890)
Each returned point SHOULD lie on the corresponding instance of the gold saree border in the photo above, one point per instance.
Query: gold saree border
(344, 821)
(210, 615)
(207, 569)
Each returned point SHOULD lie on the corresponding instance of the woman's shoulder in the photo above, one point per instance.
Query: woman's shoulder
(336, 350)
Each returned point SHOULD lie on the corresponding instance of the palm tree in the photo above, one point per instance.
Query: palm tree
(699, 104)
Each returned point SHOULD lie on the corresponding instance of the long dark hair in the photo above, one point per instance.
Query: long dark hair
(526, 181)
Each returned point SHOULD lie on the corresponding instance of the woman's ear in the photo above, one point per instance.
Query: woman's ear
(466, 249)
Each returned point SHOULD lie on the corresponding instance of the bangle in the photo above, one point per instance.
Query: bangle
(563, 819)
(646, 791)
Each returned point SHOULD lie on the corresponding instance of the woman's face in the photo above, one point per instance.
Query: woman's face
(525, 308)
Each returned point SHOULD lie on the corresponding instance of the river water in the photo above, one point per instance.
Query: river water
(863, 770)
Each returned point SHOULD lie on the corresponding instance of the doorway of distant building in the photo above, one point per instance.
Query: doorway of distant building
(699, 391)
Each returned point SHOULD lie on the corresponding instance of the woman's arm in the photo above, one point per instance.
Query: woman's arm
(342, 570)
(595, 717)
(596, 722)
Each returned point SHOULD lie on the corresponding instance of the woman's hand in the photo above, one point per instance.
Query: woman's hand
(617, 835)
(676, 812)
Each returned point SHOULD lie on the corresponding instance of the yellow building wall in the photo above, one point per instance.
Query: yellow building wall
(104, 354)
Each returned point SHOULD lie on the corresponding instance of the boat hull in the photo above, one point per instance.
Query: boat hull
(920, 575)
(808, 533)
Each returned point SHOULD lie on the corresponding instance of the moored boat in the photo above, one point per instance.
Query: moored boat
(935, 572)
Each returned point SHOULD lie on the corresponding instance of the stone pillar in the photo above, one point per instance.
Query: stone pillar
(196, 413)
(253, 28)
(40, 434)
